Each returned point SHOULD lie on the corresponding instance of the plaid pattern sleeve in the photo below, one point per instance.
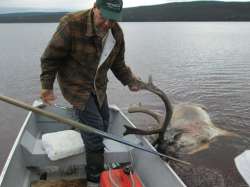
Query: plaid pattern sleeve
(55, 54)
(119, 68)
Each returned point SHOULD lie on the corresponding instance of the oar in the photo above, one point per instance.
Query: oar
(83, 127)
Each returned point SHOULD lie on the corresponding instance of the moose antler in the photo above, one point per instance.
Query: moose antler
(140, 108)
(164, 123)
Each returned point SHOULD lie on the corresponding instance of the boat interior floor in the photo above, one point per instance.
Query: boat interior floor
(52, 176)
(59, 183)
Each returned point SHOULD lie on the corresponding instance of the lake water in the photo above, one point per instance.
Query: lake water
(198, 62)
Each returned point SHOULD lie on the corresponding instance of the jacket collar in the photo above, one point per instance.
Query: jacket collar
(90, 27)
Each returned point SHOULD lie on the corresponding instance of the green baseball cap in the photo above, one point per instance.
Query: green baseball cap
(110, 9)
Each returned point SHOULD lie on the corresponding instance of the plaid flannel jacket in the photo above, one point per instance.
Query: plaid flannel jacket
(72, 56)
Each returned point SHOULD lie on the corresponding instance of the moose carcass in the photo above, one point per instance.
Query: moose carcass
(186, 127)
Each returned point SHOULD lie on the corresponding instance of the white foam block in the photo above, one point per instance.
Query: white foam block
(62, 144)
(242, 163)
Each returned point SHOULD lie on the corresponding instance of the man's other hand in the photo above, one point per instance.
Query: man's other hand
(47, 96)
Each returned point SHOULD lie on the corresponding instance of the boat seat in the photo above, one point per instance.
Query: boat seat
(35, 155)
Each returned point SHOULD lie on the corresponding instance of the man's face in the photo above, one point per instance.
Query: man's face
(102, 23)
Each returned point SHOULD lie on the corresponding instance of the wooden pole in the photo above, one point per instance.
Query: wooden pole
(83, 127)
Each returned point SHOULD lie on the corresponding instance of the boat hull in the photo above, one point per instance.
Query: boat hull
(27, 160)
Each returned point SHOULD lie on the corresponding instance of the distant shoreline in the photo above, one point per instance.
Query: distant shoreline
(128, 22)
(197, 11)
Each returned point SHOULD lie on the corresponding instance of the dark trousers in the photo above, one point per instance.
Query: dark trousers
(98, 118)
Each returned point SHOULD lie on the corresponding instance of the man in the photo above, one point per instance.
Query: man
(84, 47)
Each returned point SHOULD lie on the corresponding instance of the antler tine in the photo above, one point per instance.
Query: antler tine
(152, 88)
(132, 130)
(168, 109)
(140, 108)
(150, 80)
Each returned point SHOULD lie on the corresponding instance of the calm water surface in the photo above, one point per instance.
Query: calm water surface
(205, 63)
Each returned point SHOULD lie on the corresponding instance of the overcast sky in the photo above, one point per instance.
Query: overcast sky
(73, 4)
(69, 3)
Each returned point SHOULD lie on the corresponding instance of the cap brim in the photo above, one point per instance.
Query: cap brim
(116, 16)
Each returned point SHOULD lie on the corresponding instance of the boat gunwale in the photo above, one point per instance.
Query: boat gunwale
(17, 140)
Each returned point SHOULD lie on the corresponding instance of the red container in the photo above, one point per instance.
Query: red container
(120, 178)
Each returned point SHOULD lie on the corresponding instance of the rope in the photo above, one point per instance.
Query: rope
(111, 178)
(132, 179)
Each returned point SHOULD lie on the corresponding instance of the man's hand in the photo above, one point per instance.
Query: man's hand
(134, 86)
(47, 96)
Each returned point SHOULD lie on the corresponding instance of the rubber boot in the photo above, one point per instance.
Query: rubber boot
(95, 165)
